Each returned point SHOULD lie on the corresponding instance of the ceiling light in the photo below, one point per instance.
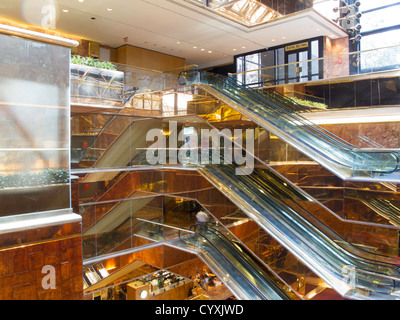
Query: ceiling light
(194, 47)
(203, 49)
(234, 49)
(65, 10)
(243, 47)
(109, 9)
(210, 51)
(81, 0)
(178, 42)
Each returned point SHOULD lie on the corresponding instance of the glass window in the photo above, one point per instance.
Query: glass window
(240, 68)
(383, 18)
(315, 55)
(372, 4)
(384, 57)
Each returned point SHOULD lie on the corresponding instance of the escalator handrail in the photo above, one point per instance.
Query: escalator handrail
(349, 254)
(220, 254)
(311, 226)
(260, 99)
(317, 130)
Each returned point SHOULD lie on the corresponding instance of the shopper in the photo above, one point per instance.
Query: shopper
(202, 219)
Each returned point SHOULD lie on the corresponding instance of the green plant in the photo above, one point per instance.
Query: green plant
(91, 62)
(309, 103)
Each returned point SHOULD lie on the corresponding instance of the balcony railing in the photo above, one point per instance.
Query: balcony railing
(330, 67)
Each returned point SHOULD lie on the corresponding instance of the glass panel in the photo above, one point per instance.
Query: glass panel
(380, 58)
(303, 65)
(240, 68)
(380, 19)
(372, 4)
(292, 67)
(315, 55)
(252, 62)
(112, 226)
(34, 126)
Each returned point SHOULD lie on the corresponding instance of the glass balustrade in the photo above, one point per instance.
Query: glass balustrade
(379, 275)
(277, 116)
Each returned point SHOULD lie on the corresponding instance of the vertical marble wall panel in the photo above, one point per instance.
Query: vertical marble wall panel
(21, 267)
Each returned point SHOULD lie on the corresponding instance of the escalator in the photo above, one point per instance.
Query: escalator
(386, 208)
(235, 266)
(123, 149)
(277, 114)
(351, 271)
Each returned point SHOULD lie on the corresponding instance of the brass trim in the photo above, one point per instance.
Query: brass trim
(37, 36)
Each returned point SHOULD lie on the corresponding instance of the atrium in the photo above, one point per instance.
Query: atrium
(199, 150)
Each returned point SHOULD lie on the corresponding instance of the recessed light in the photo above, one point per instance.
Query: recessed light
(109, 9)
(81, 0)
(273, 40)
(210, 51)
(65, 10)
(178, 42)
(194, 47)
(203, 49)
(243, 47)
(234, 49)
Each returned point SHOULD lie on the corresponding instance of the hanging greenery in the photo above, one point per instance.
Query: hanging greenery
(91, 62)
(309, 103)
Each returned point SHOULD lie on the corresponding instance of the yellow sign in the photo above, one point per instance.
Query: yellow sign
(297, 46)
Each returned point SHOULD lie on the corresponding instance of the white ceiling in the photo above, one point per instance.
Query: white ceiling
(160, 24)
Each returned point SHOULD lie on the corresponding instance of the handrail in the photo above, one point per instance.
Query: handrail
(221, 255)
(314, 139)
(317, 59)
(332, 250)
(357, 256)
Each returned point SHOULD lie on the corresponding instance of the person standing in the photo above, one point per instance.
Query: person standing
(202, 219)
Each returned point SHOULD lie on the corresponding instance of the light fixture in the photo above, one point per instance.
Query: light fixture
(109, 9)
(143, 294)
(65, 10)
(81, 0)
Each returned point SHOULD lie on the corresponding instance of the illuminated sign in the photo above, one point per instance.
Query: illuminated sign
(297, 46)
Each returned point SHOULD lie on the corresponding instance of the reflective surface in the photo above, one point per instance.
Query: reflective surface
(34, 126)
(308, 238)
(238, 270)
